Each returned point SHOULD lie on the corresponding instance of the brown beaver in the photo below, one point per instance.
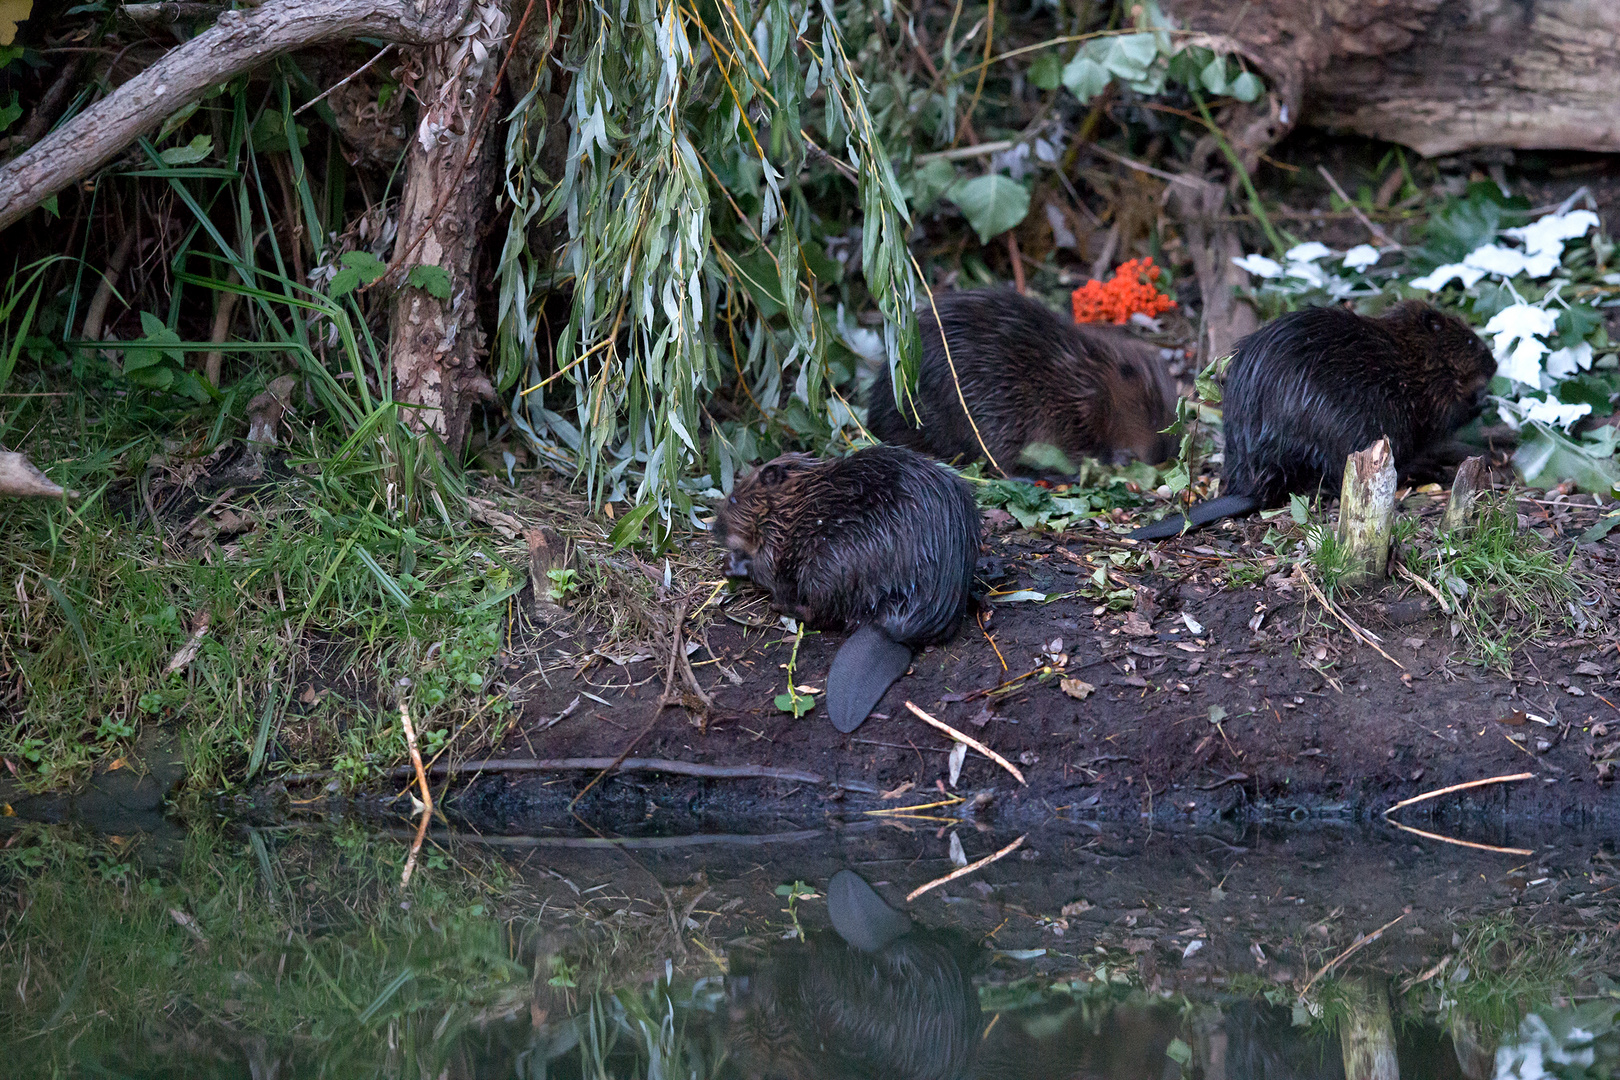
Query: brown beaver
(1309, 389)
(883, 542)
(1029, 377)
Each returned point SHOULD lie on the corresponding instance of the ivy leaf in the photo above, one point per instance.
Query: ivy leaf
(1129, 55)
(1085, 78)
(797, 705)
(1046, 72)
(191, 153)
(433, 280)
(1246, 87)
(992, 204)
(1214, 76)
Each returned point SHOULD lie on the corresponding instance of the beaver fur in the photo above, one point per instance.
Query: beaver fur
(883, 998)
(1309, 389)
(882, 542)
(1029, 377)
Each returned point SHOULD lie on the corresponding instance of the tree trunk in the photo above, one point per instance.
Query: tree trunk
(437, 343)
(1439, 76)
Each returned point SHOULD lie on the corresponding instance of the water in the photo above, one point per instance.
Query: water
(291, 950)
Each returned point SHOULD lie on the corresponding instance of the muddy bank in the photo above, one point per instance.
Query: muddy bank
(1206, 701)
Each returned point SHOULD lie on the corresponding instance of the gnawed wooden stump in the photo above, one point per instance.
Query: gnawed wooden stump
(1367, 1033)
(1367, 512)
(1473, 475)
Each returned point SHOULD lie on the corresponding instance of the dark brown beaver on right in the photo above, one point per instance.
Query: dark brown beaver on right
(883, 542)
(1028, 377)
(1309, 389)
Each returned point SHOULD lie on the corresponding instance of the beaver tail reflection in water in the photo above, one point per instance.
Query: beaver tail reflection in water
(1029, 377)
(880, 1000)
(1309, 389)
(883, 542)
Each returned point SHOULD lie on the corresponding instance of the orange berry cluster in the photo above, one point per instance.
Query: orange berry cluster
(1131, 290)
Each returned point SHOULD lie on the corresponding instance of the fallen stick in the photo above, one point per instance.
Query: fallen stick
(1368, 940)
(665, 765)
(1427, 795)
(965, 870)
(1355, 631)
(970, 741)
(1462, 843)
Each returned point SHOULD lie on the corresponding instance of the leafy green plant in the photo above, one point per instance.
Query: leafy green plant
(795, 701)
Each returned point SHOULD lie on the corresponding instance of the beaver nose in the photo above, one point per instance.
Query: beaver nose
(738, 565)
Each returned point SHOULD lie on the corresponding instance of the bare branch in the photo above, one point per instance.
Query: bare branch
(238, 41)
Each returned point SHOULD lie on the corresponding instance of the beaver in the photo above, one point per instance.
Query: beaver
(882, 998)
(883, 542)
(1309, 389)
(1029, 377)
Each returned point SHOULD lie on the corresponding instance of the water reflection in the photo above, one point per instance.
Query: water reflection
(874, 997)
(260, 953)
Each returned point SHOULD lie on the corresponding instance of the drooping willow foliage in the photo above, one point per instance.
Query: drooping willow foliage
(686, 256)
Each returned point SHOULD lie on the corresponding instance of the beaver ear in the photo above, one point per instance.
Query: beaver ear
(1433, 321)
(773, 474)
(1129, 370)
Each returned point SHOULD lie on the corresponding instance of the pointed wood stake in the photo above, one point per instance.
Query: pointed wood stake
(1472, 477)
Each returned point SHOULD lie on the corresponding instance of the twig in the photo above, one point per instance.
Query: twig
(1132, 163)
(427, 794)
(1462, 843)
(1427, 795)
(1357, 632)
(965, 870)
(1422, 583)
(1378, 233)
(970, 741)
(341, 83)
(1333, 963)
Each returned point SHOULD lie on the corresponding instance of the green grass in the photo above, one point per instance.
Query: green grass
(1505, 586)
(323, 612)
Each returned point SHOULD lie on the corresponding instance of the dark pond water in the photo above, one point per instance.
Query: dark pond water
(138, 948)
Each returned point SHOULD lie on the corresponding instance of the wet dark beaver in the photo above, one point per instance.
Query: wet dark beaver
(890, 1000)
(1029, 377)
(883, 542)
(1312, 387)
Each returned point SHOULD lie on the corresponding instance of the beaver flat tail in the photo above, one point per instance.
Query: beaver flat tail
(1202, 514)
(865, 666)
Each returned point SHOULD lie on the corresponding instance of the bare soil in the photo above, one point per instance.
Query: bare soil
(1312, 721)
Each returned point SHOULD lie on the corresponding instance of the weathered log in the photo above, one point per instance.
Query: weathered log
(238, 41)
(1439, 76)
(1473, 475)
(1367, 512)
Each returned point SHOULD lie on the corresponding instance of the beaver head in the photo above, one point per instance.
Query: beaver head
(744, 522)
(1453, 365)
(1142, 404)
